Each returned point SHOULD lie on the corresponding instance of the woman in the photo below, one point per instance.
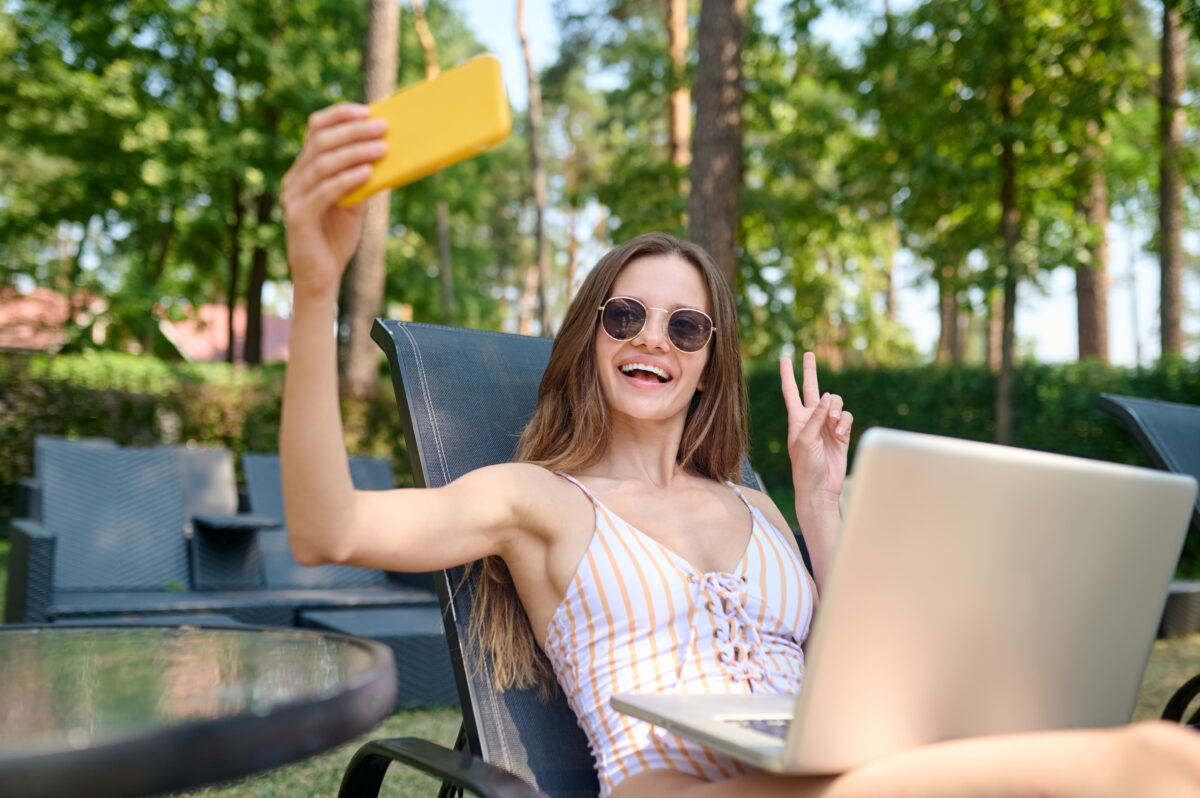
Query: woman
(616, 544)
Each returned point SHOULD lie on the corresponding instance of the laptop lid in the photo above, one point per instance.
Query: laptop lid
(977, 589)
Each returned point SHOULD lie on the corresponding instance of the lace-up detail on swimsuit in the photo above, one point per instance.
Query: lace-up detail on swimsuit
(736, 640)
(637, 617)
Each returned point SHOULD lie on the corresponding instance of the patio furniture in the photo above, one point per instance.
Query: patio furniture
(139, 531)
(110, 538)
(1169, 435)
(413, 633)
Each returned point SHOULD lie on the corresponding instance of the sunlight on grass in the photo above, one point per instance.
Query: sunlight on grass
(322, 775)
(1172, 662)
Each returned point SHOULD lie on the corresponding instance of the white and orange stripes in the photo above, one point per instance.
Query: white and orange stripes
(638, 618)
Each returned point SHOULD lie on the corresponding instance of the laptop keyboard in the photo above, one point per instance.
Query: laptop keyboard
(775, 727)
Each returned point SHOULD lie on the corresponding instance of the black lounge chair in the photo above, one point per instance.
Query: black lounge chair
(1169, 435)
(464, 398)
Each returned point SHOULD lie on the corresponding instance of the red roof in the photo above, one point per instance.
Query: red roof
(37, 321)
(205, 335)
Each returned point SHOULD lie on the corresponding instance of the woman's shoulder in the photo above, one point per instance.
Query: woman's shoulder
(765, 504)
(516, 477)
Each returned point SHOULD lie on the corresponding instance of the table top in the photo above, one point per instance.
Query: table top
(138, 710)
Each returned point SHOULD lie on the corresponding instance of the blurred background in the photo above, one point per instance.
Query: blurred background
(978, 213)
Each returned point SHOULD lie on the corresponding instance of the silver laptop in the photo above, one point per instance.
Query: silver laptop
(977, 589)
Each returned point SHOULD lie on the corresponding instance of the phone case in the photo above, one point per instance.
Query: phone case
(437, 123)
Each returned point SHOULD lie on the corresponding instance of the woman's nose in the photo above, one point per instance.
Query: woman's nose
(654, 331)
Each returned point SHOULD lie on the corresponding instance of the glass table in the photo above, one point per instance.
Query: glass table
(138, 710)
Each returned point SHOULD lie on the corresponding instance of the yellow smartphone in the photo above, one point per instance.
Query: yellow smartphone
(437, 123)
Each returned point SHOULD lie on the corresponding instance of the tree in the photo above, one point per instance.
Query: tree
(679, 151)
(365, 278)
(716, 170)
(445, 264)
(538, 171)
(1170, 191)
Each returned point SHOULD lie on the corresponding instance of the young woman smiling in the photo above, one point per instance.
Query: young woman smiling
(618, 555)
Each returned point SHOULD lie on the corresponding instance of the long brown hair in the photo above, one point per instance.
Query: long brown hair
(568, 432)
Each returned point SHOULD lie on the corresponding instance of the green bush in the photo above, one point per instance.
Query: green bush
(1054, 410)
(142, 401)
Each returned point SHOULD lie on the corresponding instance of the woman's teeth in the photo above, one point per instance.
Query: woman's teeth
(631, 368)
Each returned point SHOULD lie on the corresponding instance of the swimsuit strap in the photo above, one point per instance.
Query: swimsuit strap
(740, 495)
(577, 484)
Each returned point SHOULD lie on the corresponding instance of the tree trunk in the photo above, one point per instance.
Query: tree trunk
(1091, 279)
(994, 329)
(365, 294)
(680, 107)
(1170, 189)
(538, 170)
(235, 264)
(445, 265)
(252, 347)
(949, 343)
(716, 171)
(572, 250)
(1010, 230)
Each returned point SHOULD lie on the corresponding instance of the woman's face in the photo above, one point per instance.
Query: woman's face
(646, 377)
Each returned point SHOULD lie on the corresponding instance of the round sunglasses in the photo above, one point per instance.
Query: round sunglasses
(623, 318)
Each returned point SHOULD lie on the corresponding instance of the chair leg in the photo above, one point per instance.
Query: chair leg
(449, 790)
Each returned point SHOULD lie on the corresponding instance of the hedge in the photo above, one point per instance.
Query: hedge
(141, 401)
(137, 400)
(1054, 410)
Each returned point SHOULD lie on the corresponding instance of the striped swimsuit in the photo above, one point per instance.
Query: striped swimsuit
(638, 618)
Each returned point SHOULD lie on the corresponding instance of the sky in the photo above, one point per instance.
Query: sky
(1045, 315)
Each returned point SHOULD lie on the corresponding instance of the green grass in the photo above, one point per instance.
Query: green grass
(321, 775)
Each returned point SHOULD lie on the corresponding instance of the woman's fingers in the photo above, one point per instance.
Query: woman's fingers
(791, 391)
(812, 427)
(334, 151)
(812, 393)
(844, 424)
(334, 115)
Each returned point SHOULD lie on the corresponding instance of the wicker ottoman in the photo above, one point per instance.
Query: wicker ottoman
(418, 642)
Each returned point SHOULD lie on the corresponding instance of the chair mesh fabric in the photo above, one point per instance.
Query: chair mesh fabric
(1168, 432)
(464, 397)
(117, 513)
(265, 491)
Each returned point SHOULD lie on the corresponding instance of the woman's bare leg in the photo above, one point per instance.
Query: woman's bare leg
(1145, 759)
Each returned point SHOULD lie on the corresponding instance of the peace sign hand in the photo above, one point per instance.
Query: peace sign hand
(818, 436)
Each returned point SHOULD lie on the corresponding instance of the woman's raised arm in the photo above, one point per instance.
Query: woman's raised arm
(328, 521)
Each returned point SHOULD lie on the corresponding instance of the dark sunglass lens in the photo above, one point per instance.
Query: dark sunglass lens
(623, 318)
(689, 329)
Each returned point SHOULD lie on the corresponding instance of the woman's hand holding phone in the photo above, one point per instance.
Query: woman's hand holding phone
(340, 147)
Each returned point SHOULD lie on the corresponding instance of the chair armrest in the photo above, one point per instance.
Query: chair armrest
(365, 773)
(224, 552)
(234, 523)
(30, 572)
(1178, 703)
(29, 499)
